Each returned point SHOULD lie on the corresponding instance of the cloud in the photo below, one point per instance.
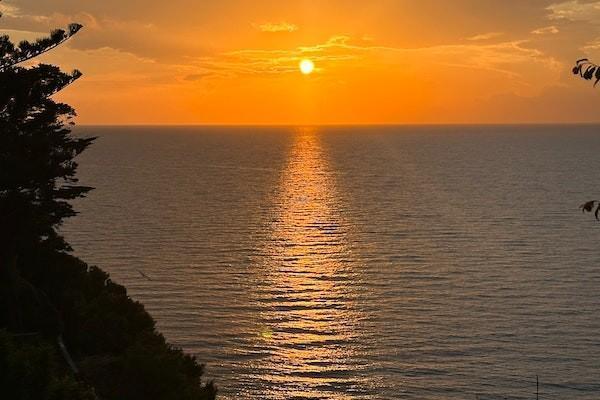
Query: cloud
(141, 38)
(15, 17)
(485, 36)
(554, 104)
(573, 10)
(591, 48)
(593, 45)
(8, 10)
(117, 70)
(196, 76)
(510, 60)
(276, 27)
(548, 30)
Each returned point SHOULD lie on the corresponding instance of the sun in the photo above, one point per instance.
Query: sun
(307, 66)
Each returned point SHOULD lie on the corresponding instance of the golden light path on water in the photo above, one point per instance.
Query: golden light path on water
(309, 314)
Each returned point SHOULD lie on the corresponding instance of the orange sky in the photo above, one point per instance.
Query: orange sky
(377, 62)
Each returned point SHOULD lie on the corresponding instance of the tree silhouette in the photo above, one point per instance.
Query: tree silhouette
(48, 295)
(37, 149)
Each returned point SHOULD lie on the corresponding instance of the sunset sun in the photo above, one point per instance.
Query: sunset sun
(307, 67)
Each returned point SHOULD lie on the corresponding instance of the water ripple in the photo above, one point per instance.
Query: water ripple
(357, 263)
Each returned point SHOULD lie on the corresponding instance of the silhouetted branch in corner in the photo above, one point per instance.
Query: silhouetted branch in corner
(589, 207)
(11, 55)
(587, 70)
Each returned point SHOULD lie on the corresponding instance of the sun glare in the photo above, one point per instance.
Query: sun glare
(306, 67)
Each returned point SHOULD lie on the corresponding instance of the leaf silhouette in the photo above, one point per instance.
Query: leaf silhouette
(587, 70)
(589, 73)
(587, 207)
(597, 76)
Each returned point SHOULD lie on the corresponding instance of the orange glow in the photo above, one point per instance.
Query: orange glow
(378, 62)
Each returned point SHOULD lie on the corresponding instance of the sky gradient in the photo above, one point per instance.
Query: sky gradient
(377, 62)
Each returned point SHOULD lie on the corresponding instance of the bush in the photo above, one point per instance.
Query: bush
(112, 338)
(31, 371)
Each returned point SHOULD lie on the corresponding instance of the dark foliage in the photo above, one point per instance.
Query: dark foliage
(112, 338)
(37, 150)
(48, 296)
(587, 70)
(31, 371)
(589, 207)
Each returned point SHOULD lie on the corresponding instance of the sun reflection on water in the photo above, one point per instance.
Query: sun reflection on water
(309, 313)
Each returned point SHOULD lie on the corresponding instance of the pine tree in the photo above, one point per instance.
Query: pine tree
(43, 290)
(37, 148)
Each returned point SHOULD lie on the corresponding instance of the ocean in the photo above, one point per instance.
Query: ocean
(409, 262)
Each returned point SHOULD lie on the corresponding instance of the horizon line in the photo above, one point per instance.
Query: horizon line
(296, 125)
